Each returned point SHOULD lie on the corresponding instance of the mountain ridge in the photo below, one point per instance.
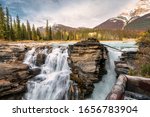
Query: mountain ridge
(141, 9)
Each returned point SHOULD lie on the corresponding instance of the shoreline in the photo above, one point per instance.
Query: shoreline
(59, 41)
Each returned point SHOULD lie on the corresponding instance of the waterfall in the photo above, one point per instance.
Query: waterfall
(104, 87)
(54, 80)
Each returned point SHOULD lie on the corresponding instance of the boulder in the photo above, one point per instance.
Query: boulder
(121, 71)
(40, 60)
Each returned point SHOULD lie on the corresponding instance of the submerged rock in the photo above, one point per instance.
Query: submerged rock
(87, 62)
(40, 60)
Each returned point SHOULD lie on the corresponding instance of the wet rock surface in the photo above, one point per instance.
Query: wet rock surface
(87, 62)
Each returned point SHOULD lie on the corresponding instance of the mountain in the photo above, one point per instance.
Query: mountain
(62, 27)
(132, 15)
(56, 27)
(142, 23)
(113, 24)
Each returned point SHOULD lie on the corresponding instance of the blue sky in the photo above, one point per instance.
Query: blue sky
(76, 13)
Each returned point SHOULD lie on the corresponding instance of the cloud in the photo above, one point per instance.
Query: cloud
(75, 13)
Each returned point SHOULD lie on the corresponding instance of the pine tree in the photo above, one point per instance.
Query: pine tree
(29, 33)
(7, 24)
(2, 23)
(38, 34)
(15, 29)
(18, 31)
(50, 34)
(23, 32)
(47, 31)
(58, 35)
(34, 34)
(12, 35)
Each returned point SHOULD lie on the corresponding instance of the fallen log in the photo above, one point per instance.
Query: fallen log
(117, 92)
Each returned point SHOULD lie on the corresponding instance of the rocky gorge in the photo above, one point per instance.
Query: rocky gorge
(69, 71)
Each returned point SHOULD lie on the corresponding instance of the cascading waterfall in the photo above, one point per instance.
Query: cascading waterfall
(102, 88)
(54, 80)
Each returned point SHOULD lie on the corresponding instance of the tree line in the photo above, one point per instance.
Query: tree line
(14, 29)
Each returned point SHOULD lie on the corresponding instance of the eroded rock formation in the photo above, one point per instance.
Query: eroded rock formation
(126, 62)
(12, 52)
(13, 73)
(13, 78)
(87, 62)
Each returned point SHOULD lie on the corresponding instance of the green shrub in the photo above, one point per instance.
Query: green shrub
(145, 70)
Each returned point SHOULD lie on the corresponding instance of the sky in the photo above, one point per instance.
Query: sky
(75, 13)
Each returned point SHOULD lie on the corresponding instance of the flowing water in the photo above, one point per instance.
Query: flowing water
(54, 79)
(103, 88)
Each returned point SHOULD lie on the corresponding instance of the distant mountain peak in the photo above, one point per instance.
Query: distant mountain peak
(141, 8)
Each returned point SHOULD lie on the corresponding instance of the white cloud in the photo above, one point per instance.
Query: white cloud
(75, 13)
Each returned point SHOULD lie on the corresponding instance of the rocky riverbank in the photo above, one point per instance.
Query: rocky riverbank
(87, 62)
(126, 62)
(129, 87)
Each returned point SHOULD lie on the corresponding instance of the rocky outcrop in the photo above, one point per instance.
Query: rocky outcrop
(13, 78)
(126, 62)
(87, 62)
(14, 74)
(12, 52)
(41, 54)
(40, 59)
